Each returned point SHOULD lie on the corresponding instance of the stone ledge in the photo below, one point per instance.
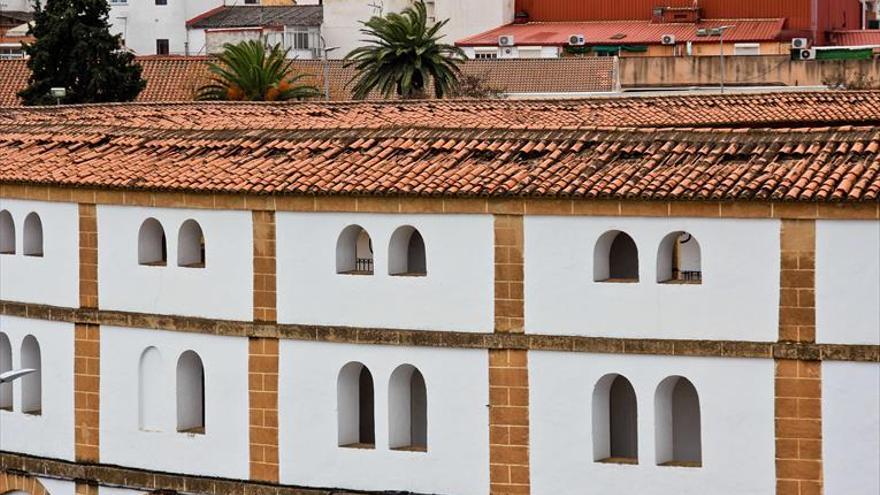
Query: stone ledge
(450, 339)
(150, 481)
(446, 205)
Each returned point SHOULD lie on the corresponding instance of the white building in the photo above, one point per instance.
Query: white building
(177, 27)
(443, 297)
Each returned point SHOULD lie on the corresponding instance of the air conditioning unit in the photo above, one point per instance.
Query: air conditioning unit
(667, 39)
(805, 54)
(576, 40)
(505, 40)
(799, 43)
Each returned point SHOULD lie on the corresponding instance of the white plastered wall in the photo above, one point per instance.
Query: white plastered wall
(457, 459)
(848, 282)
(58, 487)
(223, 289)
(737, 300)
(851, 427)
(221, 451)
(456, 294)
(142, 22)
(53, 278)
(49, 434)
(736, 406)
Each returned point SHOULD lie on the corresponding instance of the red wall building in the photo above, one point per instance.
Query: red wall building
(813, 18)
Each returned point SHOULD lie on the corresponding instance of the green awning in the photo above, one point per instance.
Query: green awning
(619, 48)
(845, 54)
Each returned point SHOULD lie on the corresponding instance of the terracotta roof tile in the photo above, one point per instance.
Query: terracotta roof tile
(630, 32)
(171, 78)
(789, 146)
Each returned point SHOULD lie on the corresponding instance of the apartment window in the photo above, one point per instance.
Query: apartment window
(406, 253)
(251, 2)
(407, 410)
(615, 421)
(7, 233)
(355, 407)
(161, 2)
(190, 393)
(486, 54)
(150, 389)
(679, 260)
(5, 365)
(33, 235)
(162, 47)
(354, 252)
(677, 423)
(191, 245)
(616, 258)
(32, 384)
(746, 48)
(152, 248)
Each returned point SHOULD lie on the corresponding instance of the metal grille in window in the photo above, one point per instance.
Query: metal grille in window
(364, 265)
(688, 275)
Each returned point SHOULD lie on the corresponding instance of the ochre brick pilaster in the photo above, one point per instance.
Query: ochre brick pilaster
(508, 421)
(797, 300)
(88, 256)
(263, 396)
(509, 305)
(86, 489)
(798, 427)
(264, 266)
(86, 384)
(798, 382)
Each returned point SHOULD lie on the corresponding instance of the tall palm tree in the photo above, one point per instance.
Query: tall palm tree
(403, 56)
(253, 71)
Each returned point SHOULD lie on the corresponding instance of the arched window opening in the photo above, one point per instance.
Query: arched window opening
(150, 390)
(33, 235)
(32, 384)
(406, 253)
(5, 365)
(190, 393)
(355, 407)
(679, 260)
(354, 252)
(677, 423)
(191, 245)
(616, 258)
(7, 233)
(615, 421)
(407, 410)
(152, 248)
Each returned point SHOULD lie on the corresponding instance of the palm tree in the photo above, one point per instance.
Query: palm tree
(403, 56)
(253, 71)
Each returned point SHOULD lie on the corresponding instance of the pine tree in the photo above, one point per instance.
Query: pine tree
(75, 50)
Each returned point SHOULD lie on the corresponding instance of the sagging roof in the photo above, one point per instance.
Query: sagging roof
(173, 78)
(628, 32)
(259, 16)
(797, 147)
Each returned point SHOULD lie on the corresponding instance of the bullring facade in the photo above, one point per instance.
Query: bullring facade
(655, 295)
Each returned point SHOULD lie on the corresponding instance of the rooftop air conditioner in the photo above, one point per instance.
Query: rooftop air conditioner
(577, 40)
(805, 54)
(799, 43)
(505, 40)
(667, 39)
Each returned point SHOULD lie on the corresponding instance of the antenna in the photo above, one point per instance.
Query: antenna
(378, 7)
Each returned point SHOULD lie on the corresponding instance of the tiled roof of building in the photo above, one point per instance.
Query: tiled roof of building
(628, 32)
(797, 147)
(178, 78)
(259, 16)
(868, 37)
